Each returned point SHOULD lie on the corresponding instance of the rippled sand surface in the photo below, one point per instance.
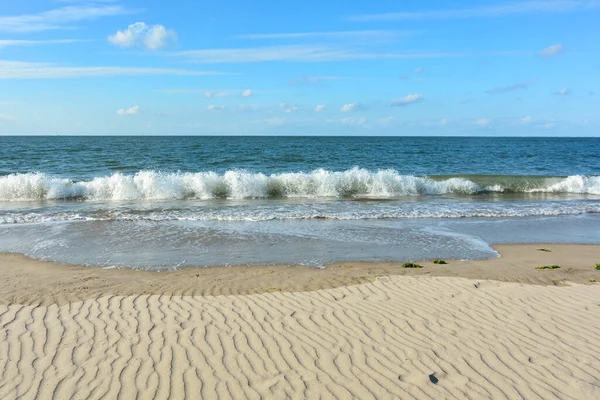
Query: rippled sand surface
(390, 337)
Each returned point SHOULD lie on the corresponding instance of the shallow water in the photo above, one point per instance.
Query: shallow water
(163, 202)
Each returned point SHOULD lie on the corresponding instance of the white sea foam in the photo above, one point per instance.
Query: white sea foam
(356, 182)
(573, 184)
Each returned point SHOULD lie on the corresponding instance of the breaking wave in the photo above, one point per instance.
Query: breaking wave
(236, 184)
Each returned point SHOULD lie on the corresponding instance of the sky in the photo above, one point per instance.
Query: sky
(271, 67)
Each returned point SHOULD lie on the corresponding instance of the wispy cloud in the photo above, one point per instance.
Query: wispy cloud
(552, 50)
(406, 100)
(351, 107)
(215, 108)
(386, 122)
(307, 80)
(320, 107)
(368, 34)
(248, 108)
(563, 92)
(8, 117)
(16, 43)
(59, 18)
(210, 93)
(288, 108)
(482, 122)
(353, 121)
(525, 120)
(486, 11)
(510, 88)
(297, 53)
(128, 111)
(28, 70)
(139, 34)
(417, 71)
(275, 121)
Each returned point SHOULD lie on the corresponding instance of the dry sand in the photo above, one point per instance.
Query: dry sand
(509, 331)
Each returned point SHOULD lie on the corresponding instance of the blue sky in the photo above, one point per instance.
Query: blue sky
(529, 68)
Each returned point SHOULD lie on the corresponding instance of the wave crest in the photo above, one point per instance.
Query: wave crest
(320, 183)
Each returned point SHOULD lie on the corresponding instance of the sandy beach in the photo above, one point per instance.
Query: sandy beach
(496, 329)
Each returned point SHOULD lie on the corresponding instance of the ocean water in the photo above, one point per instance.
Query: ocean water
(165, 202)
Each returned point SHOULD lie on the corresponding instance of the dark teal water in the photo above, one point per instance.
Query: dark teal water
(153, 202)
(82, 158)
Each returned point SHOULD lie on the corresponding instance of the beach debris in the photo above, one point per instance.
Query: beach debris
(548, 267)
(598, 267)
(433, 379)
(411, 265)
(546, 250)
(476, 285)
(439, 262)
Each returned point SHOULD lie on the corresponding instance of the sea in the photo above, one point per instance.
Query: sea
(170, 201)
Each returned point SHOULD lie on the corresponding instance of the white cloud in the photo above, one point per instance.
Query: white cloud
(549, 125)
(368, 34)
(443, 121)
(350, 107)
(406, 100)
(129, 111)
(215, 108)
(15, 43)
(139, 34)
(58, 18)
(418, 70)
(501, 10)
(8, 117)
(29, 70)
(296, 53)
(482, 122)
(552, 50)
(275, 121)
(288, 108)
(320, 107)
(247, 93)
(563, 92)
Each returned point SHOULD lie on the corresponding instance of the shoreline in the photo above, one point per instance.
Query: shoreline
(32, 282)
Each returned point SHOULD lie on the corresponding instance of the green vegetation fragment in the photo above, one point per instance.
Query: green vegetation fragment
(598, 267)
(439, 262)
(546, 250)
(592, 281)
(548, 267)
(411, 265)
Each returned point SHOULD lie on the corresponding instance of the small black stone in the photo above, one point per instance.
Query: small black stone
(433, 379)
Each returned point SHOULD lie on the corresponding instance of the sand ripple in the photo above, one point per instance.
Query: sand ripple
(398, 337)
